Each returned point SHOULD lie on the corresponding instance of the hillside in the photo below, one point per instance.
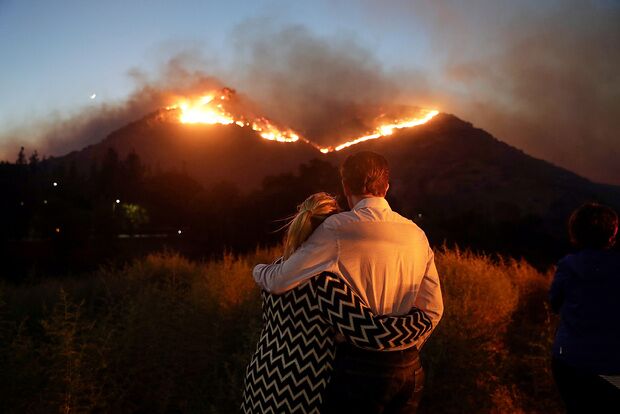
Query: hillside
(208, 153)
(461, 184)
(465, 185)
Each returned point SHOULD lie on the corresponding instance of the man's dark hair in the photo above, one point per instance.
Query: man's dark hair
(593, 226)
(366, 172)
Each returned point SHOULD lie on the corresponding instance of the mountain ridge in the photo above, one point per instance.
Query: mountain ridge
(460, 183)
(132, 137)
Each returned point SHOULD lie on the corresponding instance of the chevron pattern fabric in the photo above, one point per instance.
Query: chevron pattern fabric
(292, 365)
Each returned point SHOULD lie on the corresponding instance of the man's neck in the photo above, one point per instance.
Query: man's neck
(354, 199)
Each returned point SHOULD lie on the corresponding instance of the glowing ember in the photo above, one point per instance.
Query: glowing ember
(384, 130)
(214, 108)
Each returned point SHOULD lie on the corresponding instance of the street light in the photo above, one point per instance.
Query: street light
(55, 184)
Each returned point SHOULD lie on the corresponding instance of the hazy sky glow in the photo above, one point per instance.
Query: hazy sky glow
(543, 78)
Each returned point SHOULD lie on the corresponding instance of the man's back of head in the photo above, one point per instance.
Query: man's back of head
(365, 173)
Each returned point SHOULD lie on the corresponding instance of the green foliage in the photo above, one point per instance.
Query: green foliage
(165, 334)
(135, 216)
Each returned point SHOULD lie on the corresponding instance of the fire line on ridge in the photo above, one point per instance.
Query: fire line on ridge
(215, 108)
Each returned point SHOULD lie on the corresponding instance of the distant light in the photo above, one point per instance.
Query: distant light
(21, 203)
(93, 96)
(44, 201)
(419, 215)
(57, 229)
(118, 201)
(55, 184)
(179, 232)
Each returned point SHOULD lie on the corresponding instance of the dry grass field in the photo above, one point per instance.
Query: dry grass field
(168, 335)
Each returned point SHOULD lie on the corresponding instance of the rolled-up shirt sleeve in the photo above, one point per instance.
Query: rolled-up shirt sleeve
(429, 298)
(317, 254)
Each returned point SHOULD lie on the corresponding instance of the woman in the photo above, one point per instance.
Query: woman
(586, 293)
(292, 364)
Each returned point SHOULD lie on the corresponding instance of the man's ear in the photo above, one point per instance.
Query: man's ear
(387, 188)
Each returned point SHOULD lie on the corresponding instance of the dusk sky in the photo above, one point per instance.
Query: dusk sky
(544, 78)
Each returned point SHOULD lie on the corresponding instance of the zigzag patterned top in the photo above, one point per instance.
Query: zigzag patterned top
(292, 364)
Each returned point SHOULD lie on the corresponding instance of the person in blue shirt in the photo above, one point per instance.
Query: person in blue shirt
(586, 293)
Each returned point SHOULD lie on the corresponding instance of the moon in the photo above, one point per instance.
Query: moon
(93, 96)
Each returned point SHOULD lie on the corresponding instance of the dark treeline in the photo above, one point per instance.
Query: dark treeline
(56, 220)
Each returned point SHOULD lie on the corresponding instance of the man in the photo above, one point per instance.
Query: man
(386, 258)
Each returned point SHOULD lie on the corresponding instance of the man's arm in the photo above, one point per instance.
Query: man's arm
(317, 254)
(429, 299)
(349, 315)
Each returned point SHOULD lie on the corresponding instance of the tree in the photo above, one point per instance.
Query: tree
(21, 157)
(133, 167)
(34, 158)
(109, 174)
(33, 161)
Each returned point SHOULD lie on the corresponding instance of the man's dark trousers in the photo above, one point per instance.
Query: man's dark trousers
(387, 382)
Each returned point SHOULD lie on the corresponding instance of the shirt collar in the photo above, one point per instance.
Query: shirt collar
(378, 203)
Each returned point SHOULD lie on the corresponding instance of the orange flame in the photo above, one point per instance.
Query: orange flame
(384, 130)
(211, 109)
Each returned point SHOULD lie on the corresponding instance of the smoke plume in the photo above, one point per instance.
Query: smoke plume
(325, 88)
(57, 135)
(543, 78)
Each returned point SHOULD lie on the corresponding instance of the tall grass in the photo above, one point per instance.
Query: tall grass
(489, 353)
(165, 334)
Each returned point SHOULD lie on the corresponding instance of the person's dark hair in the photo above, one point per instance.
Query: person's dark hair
(366, 172)
(593, 226)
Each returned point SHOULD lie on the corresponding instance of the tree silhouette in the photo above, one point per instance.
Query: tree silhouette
(21, 157)
(109, 175)
(33, 161)
(133, 168)
(34, 158)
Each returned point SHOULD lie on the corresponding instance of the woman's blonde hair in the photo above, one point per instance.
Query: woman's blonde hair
(310, 214)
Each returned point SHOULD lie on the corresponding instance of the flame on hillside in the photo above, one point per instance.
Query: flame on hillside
(385, 130)
(215, 108)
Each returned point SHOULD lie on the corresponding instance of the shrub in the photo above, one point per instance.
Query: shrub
(495, 327)
(165, 334)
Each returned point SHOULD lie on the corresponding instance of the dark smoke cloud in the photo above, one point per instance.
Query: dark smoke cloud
(58, 135)
(325, 88)
(543, 76)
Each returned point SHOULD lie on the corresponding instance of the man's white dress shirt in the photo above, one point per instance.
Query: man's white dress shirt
(385, 257)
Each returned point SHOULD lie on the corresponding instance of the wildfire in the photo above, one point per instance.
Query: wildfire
(215, 108)
(203, 113)
(212, 109)
(384, 130)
